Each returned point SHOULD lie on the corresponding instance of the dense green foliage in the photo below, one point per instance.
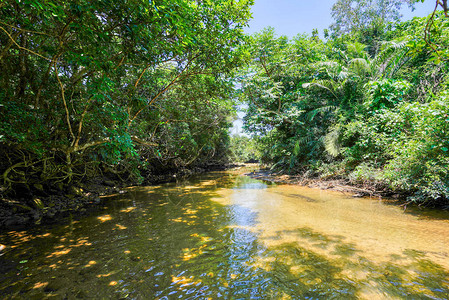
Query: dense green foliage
(135, 88)
(128, 87)
(244, 149)
(338, 109)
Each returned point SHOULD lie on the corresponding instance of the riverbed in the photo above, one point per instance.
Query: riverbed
(223, 235)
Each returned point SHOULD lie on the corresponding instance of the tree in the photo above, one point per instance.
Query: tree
(83, 83)
(335, 110)
(359, 15)
(367, 19)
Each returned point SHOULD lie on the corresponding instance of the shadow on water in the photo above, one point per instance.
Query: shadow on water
(422, 213)
(408, 276)
(173, 242)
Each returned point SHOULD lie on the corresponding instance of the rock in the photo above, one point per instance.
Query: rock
(16, 221)
(35, 215)
(24, 220)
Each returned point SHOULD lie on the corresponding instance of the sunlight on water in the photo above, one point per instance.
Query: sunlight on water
(226, 236)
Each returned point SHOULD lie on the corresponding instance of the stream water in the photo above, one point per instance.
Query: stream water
(227, 236)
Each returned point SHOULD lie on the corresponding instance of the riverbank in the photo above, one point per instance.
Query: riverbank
(50, 205)
(357, 189)
(46, 205)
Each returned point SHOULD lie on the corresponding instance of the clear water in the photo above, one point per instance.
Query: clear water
(227, 236)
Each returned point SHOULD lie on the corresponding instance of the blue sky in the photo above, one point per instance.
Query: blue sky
(290, 17)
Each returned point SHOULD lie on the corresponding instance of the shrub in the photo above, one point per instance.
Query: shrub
(420, 157)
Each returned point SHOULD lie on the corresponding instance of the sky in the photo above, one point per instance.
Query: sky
(290, 17)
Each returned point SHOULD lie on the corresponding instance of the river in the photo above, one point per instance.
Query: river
(224, 235)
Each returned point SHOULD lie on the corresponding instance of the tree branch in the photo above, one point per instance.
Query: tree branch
(65, 104)
(22, 48)
(142, 142)
(10, 43)
(80, 126)
(162, 91)
(25, 30)
(430, 22)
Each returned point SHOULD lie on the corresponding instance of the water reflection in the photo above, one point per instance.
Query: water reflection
(183, 241)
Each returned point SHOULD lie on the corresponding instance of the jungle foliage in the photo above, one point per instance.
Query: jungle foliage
(124, 87)
(368, 103)
(244, 149)
(134, 88)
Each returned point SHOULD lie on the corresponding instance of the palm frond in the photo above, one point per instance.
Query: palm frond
(321, 110)
(358, 49)
(328, 85)
(359, 66)
(302, 141)
(390, 58)
(332, 143)
(395, 44)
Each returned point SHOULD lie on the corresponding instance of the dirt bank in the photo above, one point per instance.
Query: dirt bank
(358, 189)
(52, 204)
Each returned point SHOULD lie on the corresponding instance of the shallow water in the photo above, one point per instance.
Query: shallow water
(224, 235)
